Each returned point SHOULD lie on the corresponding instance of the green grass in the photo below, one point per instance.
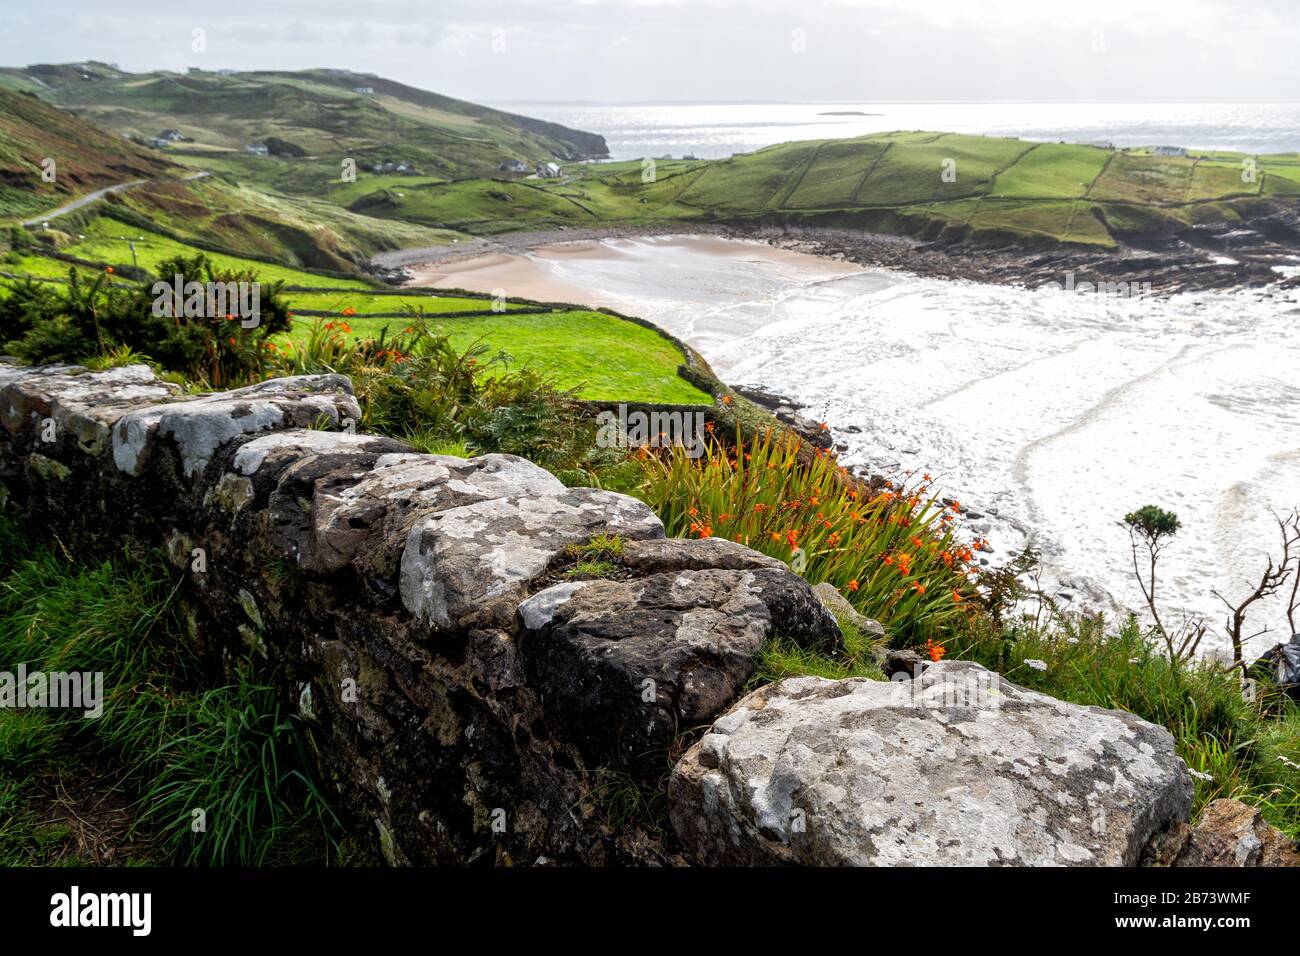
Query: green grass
(486, 205)
(747, 184)
(1061, 221)
(606, 358)
(781, 658)
(162, 747)
(834, 177)
(316, 110)
(1052, 171)
(893, 182)
(370, 304)
(108, 240)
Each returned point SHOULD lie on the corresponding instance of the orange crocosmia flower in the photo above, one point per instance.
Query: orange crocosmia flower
(936, 651)
(918, 587)
(956, 597)
(916, 542)
(823, 427)
(726, 399)
(231, 340)
(692, 511)
(955, 506)
(776, 535)
(853, 585)
(109, 270)
(349, 311)
(888, 559)
(904, 562)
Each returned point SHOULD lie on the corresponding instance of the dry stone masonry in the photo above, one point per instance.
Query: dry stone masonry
(463, 694)
(468, 698)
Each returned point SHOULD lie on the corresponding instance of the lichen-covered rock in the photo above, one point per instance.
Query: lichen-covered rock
(364, 517)
(198, 428)
(960, 768)
(624, 666)
(74, 401)
(1228, 834)
(466, 561)
(839, 605)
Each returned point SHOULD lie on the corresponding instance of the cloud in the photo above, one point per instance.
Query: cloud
(708, 49)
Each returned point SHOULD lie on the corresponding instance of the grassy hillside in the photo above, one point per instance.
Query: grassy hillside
(919, 183)
(316, 114)
(299, 208)
(85, 157)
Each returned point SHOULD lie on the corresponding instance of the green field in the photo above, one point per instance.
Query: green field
(372, 304)
(919, 183)
(1052, 171)
(293, 206)
(604, 357)
(109, 240)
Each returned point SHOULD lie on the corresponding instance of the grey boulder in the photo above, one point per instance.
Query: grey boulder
(959, 768)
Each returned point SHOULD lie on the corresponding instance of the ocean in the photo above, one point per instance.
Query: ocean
(1051, 414)
(717, 130)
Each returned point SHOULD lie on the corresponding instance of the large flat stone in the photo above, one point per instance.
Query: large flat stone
(460, 561)
(963, 768)
(623, 666)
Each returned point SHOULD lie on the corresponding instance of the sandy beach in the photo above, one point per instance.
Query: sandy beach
(539, 272)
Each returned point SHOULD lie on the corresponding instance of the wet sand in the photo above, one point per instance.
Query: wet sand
(538, 272)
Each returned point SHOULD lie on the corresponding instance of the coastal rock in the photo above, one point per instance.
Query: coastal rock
(839, 605)
(960, 768)
(1228, 834)
(362, 513)
(470, 559)
(624, 666)
(199, 427)
(74, 401)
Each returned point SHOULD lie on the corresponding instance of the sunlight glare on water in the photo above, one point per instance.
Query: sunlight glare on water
(1057, 411)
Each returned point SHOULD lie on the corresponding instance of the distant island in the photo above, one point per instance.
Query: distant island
(848, 113)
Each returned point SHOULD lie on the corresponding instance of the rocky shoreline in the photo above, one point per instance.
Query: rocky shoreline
(1200, 260)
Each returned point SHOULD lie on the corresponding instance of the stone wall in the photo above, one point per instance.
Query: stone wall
(471, 700)
(463, 692)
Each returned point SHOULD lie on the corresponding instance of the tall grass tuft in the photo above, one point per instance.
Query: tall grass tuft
(173, 748)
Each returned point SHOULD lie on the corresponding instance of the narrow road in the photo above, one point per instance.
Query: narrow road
(100, 194)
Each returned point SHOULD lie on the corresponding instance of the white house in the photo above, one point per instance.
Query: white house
(1170, 151)
(548, 170)
(364, 90)
(257, 149)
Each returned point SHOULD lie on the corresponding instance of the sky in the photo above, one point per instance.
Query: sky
(705, 50)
